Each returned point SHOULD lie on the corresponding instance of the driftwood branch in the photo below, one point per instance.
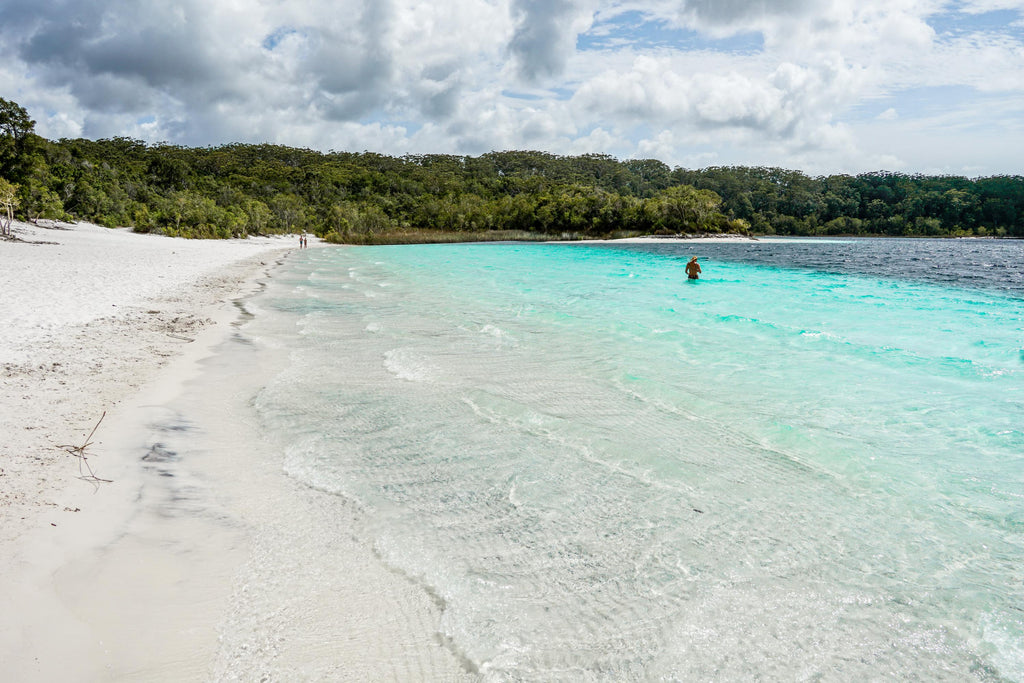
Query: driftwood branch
(83, 458)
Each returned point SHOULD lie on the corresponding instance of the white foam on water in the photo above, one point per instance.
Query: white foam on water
(493, 331)
(1002, 633)
(409, 365)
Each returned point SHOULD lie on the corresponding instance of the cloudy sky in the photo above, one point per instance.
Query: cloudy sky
(931, 86)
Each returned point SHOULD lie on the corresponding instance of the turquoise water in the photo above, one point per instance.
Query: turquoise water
(605, 472)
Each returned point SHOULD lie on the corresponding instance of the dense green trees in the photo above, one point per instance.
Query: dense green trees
(15, 130)
(881, 203)
(239, 189)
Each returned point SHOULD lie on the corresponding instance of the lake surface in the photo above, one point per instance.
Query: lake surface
(809, 464)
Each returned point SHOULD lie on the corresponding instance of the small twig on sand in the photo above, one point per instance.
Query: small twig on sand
(83, 459)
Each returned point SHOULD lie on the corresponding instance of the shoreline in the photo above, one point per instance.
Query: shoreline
(119, 324)
(92, 315)
(173, 570)
(66, 362)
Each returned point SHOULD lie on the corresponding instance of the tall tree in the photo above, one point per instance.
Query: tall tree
(15, 128)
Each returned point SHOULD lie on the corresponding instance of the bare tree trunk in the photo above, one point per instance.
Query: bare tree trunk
(7, 220)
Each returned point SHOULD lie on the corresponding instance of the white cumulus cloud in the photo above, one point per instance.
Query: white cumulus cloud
(805, 83)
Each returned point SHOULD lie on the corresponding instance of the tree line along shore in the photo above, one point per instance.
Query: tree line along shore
(367, 198)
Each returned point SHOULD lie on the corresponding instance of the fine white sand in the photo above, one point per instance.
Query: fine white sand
(124, 580)
(89, 315)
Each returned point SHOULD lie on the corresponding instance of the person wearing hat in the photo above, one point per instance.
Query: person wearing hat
(693, 269)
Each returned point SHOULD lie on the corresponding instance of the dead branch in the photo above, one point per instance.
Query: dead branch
(83, 459)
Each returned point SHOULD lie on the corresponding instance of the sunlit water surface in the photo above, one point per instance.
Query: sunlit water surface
(809, 463)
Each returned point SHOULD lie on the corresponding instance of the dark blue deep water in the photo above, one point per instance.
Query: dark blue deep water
(996, 265)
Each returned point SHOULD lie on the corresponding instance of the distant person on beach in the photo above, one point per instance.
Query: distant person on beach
(693, 269)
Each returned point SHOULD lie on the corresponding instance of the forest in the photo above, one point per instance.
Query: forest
(236, 190)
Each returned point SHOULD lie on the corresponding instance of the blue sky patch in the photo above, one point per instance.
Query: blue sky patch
(275, 38)
(639, 31)
(916, 102)
(1008, 22)
(516, 95)
(560, 94)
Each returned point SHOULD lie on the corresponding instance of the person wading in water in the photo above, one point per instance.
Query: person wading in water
(693, 269)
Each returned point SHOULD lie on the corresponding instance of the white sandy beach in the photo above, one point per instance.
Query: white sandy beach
(90, 315)
(106, 581)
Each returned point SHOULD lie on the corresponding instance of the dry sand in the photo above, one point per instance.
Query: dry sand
(149, 577)
(89, 315)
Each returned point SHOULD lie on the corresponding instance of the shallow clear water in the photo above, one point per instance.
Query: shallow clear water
(810, 463)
